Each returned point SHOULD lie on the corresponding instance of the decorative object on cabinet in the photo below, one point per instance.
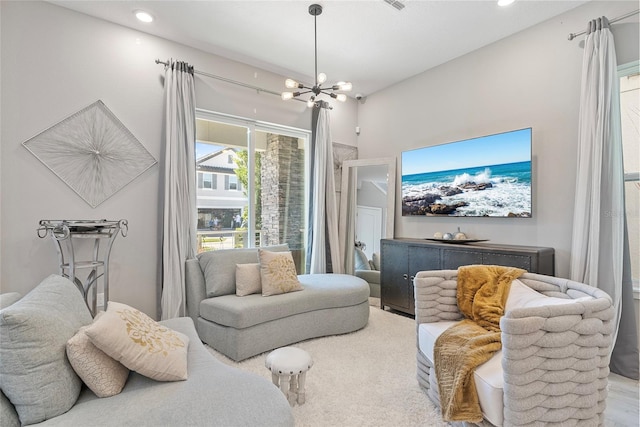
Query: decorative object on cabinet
(402, 259)
(64, 232)
(92, 152)
(457, 241)
(456, 238)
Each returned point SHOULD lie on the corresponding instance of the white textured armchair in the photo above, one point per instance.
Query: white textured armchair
(554, 362)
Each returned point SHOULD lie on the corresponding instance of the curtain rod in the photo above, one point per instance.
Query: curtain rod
(224, 79)
(611, 21)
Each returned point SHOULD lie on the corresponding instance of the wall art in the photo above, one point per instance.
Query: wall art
(92, 152)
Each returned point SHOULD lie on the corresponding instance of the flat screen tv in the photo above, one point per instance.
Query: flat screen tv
(488, 176)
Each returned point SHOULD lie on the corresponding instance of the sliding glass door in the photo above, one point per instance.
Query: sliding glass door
(252, 184)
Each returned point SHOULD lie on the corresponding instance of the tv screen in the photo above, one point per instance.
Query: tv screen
(489, 176)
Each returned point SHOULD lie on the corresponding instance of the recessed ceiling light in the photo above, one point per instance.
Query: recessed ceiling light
(505, 2)
(143, 16)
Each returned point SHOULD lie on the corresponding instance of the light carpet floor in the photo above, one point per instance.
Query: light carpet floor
(365, 378)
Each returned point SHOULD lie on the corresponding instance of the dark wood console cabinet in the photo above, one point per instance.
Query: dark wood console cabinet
(401, 259)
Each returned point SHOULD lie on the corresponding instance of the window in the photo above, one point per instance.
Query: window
(232, 182)
(630, 119)
(207, 180)
(260, 199)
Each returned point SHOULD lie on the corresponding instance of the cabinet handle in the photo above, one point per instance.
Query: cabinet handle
(412, 277)
(405, 276)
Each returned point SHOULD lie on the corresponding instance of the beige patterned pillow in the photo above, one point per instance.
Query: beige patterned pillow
(102, 374)
(248, 279)
(277, 273)
(140, 343)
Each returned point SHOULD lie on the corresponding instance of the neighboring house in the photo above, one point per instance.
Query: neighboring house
(220, 195)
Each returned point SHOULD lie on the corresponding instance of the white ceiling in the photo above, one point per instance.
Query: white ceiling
(367, 42)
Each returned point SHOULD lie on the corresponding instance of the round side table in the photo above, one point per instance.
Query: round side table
(289, 366)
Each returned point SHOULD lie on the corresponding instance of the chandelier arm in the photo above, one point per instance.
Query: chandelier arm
(301, 93)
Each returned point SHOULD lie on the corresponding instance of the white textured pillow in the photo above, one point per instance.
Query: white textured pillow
(248, 279)
(102, 374)
(278, 273)
(521, 296)
(140, 343)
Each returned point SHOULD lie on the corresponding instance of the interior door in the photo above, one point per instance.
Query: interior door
(369, 228)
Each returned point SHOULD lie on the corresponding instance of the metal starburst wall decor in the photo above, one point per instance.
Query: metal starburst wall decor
(92, 152)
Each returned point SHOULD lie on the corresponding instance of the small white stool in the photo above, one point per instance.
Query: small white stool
(289, 366)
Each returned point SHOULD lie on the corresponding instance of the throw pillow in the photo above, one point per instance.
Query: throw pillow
(361, 262)
(140, 343)
(248, 279)
(35, 373)
(9, 298)
(278, 273)
(102, 374)
(375, 259)
(522, 296)
(219, 267)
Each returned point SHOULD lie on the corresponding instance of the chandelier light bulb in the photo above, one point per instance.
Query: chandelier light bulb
(322, 77)
(345, 86)
(287, 95)
(505, 2)
(311, 102)
(291, 84)
(341, 97)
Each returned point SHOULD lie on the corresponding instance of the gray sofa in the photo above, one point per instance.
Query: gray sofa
(213, 394)
(242, 327)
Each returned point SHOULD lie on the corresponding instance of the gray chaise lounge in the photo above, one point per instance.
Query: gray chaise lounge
(213, 394)
(242, 327)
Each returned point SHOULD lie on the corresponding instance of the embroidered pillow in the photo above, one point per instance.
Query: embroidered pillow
(102, 374)
(248, 279)
(277, 273)
(140, 343)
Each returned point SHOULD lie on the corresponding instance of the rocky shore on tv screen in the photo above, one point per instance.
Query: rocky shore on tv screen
(488, 176)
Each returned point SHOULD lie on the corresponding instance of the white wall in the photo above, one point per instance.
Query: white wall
(531, 79)
(55, 62)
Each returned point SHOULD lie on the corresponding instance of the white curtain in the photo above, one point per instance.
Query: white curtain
(324, 235)
(598, 246)
(179, 204)
(348, 236)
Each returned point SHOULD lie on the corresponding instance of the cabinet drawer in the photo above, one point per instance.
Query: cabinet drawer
(508, 260)
(452, 259)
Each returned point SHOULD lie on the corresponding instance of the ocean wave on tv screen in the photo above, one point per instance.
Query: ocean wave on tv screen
(500, 200)
(498, 190)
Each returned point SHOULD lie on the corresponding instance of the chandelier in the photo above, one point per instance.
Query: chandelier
(321, 78)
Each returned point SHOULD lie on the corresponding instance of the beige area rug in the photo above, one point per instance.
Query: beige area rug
(365, 378)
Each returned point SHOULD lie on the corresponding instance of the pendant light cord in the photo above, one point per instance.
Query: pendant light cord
(315, 40)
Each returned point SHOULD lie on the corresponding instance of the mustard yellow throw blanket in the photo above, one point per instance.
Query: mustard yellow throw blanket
(481, 293)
